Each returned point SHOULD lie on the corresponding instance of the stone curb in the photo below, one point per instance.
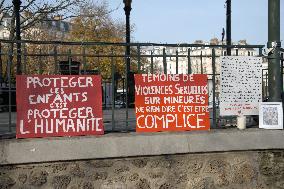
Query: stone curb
(115, 145)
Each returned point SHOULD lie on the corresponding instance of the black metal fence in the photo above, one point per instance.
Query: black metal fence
(108, 59)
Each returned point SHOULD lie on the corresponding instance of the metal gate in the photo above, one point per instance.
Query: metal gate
(108, 59)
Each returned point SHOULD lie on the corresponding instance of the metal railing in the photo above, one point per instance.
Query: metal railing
(108, 59)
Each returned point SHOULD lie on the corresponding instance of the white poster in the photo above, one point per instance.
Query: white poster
(241, 85)
(271, 115)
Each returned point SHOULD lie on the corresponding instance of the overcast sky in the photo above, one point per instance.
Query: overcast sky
(185, 21)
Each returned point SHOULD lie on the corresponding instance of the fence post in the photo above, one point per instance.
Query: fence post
(69, 61)
(189, 71)
(84, 60)
(105, 94)
(55, 60)
(213, 88)
(139, 58)
(152, 63)
(40, 63)
(176, 61)
(260, 52)
(123, 90)
(113, 92)
(10, 98)
(165, 61)
(281, 62)
(266, 82)
(201, 63)
(25, 59)
(263, 84)
(126, 94)
(1, 64)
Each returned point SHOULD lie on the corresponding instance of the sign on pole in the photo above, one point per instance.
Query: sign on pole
(171, 102)
(53, 105)
(241, 85)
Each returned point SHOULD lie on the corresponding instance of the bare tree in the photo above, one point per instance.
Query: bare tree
(33, 13)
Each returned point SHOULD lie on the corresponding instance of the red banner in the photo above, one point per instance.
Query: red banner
(171, 102)
(53, 105)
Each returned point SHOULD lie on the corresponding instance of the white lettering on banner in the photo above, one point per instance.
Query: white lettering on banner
(166, 77)
(59, 98)
(64, 82)
(172, 102)
(22, 128)
(153, 121)
(68, 125)
(59, 106)
(83, 112)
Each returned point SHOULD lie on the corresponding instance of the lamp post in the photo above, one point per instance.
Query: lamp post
(127, 9)
(17, 4)
(228, 26)
(274, 71)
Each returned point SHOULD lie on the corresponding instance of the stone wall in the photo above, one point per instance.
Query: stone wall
(244, 170)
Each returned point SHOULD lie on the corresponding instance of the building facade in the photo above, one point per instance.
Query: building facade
(5, 25)
(48, 28)
(200, 57)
